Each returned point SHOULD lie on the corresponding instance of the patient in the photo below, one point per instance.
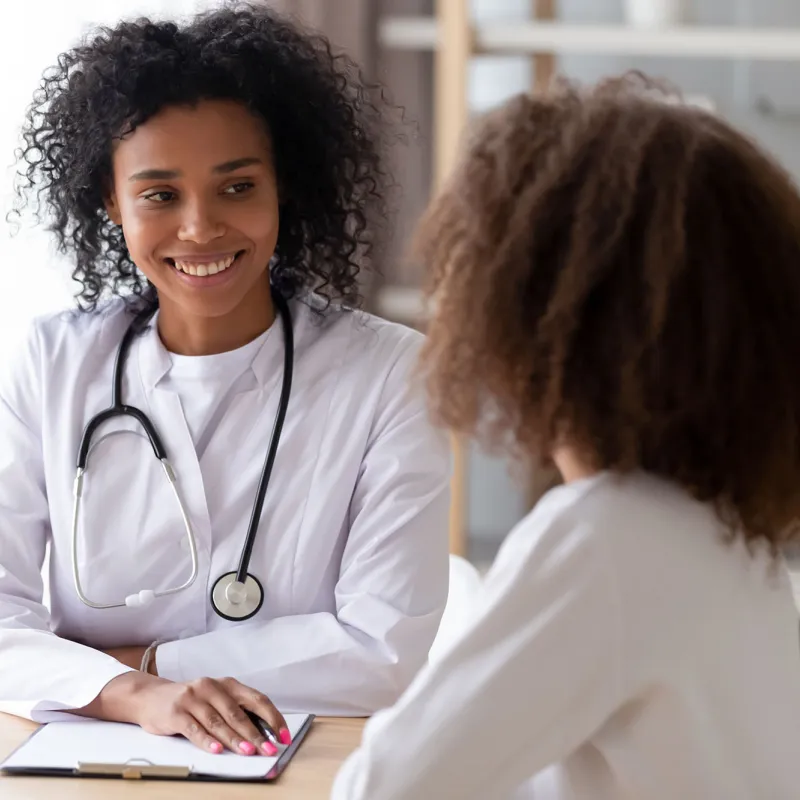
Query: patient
(617, 290)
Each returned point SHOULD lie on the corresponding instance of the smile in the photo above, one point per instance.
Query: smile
(203, 268)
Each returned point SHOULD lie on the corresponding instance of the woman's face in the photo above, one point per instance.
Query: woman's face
(194, 190)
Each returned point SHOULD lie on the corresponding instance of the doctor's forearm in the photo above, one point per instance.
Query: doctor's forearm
(310, 663)
(118, 700)
(43, 676)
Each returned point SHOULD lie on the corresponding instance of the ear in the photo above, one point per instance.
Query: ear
(112, 208)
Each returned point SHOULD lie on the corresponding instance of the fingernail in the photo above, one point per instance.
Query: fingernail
(247, 748)
(215, 747)
(269, 749)
(285, 736)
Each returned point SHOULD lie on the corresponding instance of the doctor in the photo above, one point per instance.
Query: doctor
(256, 512)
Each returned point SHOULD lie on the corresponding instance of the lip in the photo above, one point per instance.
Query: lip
(203, 258)
(209, 281)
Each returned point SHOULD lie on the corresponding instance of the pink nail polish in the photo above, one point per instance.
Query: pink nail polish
(247, 748)
(215, 747)
(285, 736)
(269, 749)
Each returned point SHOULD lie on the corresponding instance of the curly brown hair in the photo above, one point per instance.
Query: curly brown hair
(622, 273)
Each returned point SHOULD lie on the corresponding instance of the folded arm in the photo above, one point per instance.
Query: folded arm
(389, 598)
(40, 673)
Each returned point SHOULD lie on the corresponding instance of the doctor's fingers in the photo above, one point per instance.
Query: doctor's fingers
(260, 705)
(189, 727)
(222, 716)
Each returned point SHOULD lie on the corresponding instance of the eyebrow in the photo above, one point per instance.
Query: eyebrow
(171, 174)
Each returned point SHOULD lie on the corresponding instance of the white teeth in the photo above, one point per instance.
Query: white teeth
(201, 270)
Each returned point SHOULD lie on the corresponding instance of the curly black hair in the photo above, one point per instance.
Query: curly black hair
(326, 124)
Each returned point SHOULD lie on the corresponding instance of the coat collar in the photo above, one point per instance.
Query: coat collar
(155, 360)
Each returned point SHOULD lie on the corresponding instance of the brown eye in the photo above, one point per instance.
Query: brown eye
(239, 188)
(160, 197)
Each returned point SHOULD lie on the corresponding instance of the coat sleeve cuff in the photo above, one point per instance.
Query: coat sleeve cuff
(56, 711)
(168, 661)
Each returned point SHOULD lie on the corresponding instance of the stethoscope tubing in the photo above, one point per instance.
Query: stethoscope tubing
(118, 409)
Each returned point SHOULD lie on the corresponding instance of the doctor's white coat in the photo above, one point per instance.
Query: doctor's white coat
(351, 550)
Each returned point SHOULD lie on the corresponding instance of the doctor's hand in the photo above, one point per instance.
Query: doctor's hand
(208, 712)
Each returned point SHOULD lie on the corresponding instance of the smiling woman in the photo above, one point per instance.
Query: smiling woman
(194, 189)
(148, 115)
(203, 178)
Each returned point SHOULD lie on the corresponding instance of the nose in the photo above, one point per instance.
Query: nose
(199, 224)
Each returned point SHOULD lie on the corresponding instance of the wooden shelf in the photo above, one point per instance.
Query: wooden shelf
(409, 33)
(767, 44)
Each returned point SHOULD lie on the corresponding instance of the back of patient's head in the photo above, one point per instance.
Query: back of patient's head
(622, 274)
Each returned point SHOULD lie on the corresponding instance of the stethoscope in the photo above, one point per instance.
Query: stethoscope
(235, 595)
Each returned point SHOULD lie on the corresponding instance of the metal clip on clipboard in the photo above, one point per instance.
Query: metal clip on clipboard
(134, 769)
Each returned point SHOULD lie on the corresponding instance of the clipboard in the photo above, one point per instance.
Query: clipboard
(136, 768)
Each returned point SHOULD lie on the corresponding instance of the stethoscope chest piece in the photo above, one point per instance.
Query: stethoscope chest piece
(235, 600)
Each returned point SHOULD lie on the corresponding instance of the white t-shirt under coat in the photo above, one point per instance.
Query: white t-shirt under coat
(206, 384)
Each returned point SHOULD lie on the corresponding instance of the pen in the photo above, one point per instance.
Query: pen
(263, 728)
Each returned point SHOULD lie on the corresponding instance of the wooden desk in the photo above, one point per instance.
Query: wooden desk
(309, 776)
